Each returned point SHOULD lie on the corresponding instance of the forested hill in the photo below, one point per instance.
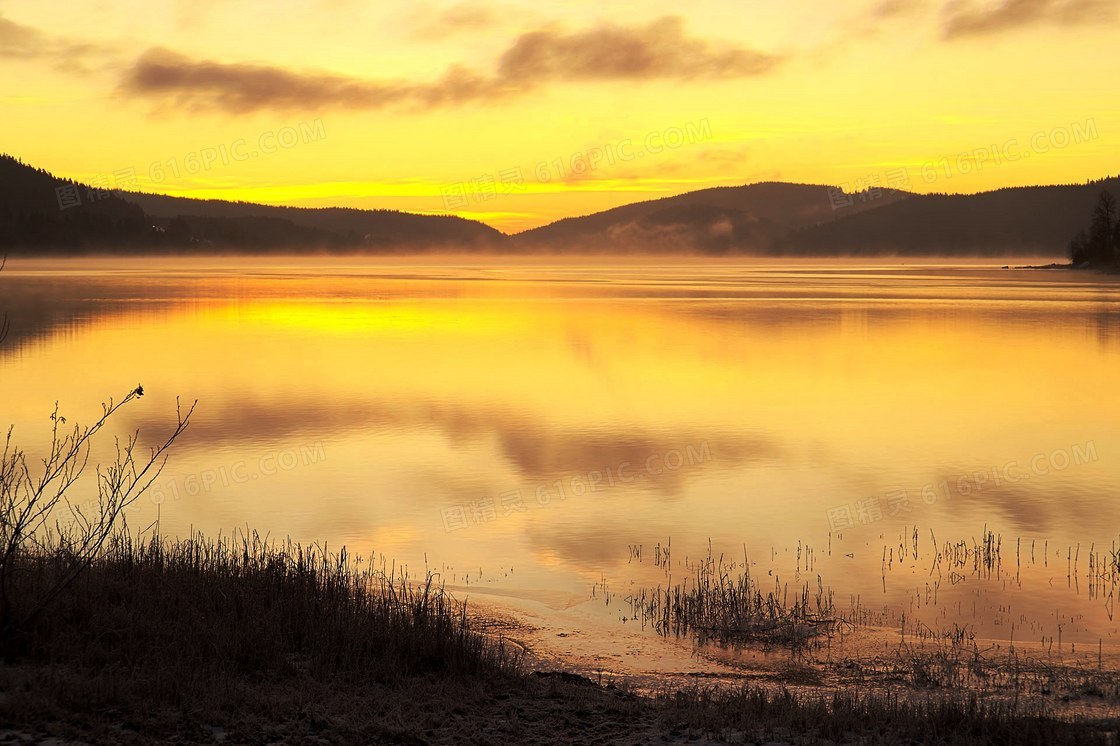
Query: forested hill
(38, 210)
(41, 213)
(1026, 220)
(381, 230)
(777, 219)
(751, 219)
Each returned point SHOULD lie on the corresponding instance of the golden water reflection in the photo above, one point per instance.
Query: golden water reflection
(518, 428)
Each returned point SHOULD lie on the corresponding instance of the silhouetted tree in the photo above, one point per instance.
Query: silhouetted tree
(1079, 251)
(1100, 244)
(1102, 228)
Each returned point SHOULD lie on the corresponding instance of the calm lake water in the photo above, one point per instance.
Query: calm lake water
(520, 428)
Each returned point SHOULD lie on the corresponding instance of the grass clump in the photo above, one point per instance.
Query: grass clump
(723, 602)
(240, 636)
(248, 606)
(248, 640)
(852, 716)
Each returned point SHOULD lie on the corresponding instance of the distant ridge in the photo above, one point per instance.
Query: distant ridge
(746, 219)
(33, 214)
(1038, 220)
(40, 213)
(779, 219)
(381, 230)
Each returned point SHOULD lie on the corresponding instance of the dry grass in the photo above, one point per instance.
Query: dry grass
(247, 606)
(723, 602)
(853, 716)
(250, 641)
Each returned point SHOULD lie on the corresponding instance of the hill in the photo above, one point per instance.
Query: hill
(38, 210)
(1025, 220)
(746, 219)
(777, 219)
(41, 213)
(379, 230)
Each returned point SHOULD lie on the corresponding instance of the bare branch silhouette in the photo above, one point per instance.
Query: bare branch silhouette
(38, 518)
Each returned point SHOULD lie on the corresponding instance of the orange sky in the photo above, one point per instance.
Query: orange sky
(521, 113)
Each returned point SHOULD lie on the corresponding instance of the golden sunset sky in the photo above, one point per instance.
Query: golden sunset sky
(518, 114)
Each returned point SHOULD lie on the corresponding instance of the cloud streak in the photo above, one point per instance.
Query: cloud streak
(964, 20)
(27, 43)
(21, 41)
(241, 88)
(660, 50)
(464, 18)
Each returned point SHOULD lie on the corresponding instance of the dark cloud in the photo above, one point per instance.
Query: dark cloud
(974, 18)
(659, 50)
(245, 87)
(964, 19)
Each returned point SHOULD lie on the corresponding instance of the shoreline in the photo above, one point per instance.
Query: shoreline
(1100, 269)
(251, 640)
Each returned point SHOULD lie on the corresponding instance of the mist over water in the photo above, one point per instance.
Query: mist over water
(543, 417)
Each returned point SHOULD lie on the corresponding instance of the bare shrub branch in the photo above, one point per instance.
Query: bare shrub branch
(38, 516)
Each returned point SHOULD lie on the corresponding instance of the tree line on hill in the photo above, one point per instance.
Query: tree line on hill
(42, 214)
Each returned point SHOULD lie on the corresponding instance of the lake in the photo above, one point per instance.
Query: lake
(535, 430)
